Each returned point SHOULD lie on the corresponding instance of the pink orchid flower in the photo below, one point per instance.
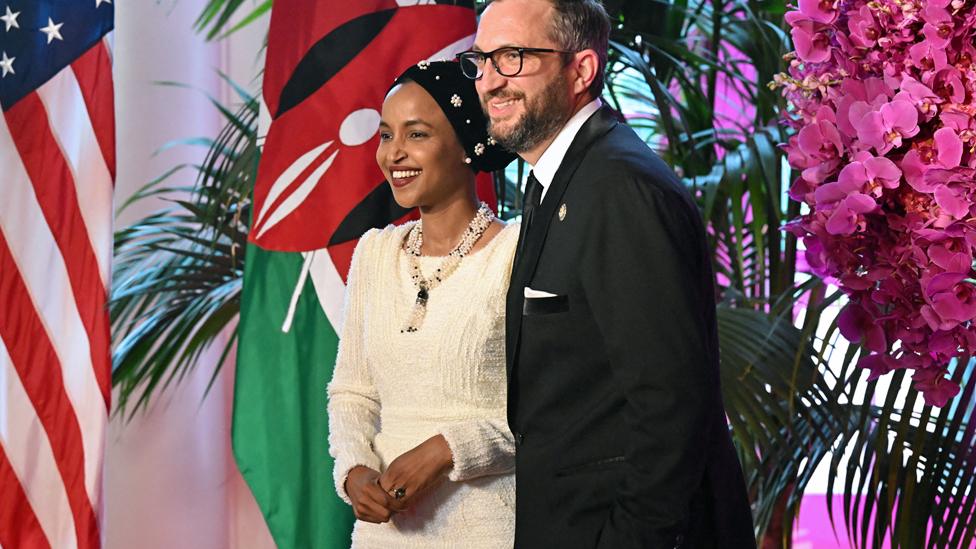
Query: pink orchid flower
(872, 174)
(950, 300)
(821, 11)
(957, 120)
(878, 364)
(938, 26)
(953, 201)
(915, 92)
(848, 216)
(952, 255)
(885, 128)
(874, 92)
(944, 151)
(811, 41)
(935, 388)
(948, 84)
(858, 326)
(822, 146)
(863, 28)
(928, 57)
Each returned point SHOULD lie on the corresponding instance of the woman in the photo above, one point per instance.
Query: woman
(417, 421)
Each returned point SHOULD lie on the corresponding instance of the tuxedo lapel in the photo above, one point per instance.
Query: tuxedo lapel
(597, 126)
(526, 261)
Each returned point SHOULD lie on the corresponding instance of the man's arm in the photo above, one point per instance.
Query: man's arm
(642, 276)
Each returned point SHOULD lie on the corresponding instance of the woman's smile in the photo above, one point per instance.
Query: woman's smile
(401, 176)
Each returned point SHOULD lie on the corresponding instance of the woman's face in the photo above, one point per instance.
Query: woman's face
(419, 153)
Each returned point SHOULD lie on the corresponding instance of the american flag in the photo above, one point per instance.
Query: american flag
(57, 173)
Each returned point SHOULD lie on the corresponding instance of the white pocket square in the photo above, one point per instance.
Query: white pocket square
(530, 293)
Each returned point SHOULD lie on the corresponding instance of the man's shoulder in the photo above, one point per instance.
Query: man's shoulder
(620, 162)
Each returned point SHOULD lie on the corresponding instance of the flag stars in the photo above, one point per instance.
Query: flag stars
(10, 19)
(100, 2)
(6, 65)
(52, 30)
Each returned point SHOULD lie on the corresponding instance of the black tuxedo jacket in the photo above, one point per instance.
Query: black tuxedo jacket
(614, 394)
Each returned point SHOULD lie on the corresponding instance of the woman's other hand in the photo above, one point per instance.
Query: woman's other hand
(416, 471)
(369, 502)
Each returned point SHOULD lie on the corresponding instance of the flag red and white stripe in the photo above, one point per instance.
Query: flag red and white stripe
(57, 171)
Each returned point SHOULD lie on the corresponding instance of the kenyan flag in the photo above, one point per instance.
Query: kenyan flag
(329, 64)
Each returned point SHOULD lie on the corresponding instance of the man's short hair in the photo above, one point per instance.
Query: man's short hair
(582, 25)
(579, 25)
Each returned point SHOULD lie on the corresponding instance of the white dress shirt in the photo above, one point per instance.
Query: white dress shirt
(545, 169)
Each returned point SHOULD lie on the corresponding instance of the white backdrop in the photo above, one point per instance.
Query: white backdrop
(170, 476)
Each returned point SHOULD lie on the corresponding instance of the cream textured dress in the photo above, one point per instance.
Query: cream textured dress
(392, 390)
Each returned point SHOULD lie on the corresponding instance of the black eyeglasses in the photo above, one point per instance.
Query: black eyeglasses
(508, 61)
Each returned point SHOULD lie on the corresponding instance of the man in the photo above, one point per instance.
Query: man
(612, 350)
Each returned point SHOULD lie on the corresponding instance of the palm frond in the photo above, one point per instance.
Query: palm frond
(218, 15)
(177, 278)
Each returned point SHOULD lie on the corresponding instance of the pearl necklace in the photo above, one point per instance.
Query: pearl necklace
(415, 239)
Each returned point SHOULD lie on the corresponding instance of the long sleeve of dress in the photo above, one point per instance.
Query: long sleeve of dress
(354, 404)
(480, 447)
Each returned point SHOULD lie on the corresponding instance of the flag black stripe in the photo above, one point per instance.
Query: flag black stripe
(329, 55)
(376, 211)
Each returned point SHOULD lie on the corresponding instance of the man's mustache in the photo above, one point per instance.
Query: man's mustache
(501, 95)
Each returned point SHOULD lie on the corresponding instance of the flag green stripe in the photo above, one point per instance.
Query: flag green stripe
(280, 428)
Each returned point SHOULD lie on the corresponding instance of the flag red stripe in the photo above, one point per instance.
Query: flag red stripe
(18, 524)
(93, 71)
(39, 370)
(54, 187)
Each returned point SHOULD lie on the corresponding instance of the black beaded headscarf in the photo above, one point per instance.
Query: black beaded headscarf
(454, 93)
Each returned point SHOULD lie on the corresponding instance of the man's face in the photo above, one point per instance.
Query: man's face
(526, 110)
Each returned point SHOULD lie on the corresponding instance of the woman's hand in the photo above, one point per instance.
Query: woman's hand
(416, 471)
(369, 502)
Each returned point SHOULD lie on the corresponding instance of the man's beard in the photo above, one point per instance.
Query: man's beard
(543, 118)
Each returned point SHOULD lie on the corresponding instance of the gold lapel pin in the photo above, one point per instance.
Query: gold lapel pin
(562, 212)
